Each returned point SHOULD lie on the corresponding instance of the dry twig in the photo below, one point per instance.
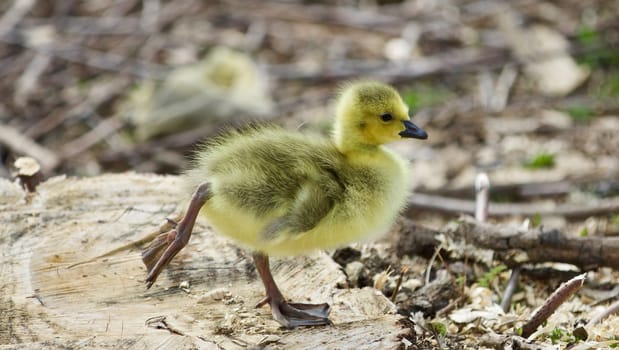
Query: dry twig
(612, 309)
(506, 300)
(14, 14)
(552, 303)
(509, 341)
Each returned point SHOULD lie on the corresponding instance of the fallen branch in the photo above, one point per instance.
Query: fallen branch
(460, 206)
(458, 60)
(516, 246)
(462, 60)
(535, 189)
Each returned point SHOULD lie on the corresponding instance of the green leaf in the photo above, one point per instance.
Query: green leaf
(485, 280)
(540, 161)
(439, 328)
(580, 113)
(536, 220)
(598, 50)
(556, 335)
(518, 331)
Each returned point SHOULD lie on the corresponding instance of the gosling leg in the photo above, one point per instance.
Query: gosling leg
(290, 315)
(165, 247)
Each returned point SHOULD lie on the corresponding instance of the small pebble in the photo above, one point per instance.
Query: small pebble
(184, 286)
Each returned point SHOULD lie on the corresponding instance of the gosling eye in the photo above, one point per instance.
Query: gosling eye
(386, 117)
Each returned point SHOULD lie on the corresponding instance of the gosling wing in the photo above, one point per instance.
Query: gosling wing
(313, 201)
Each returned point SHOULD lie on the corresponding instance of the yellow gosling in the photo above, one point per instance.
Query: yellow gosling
(279, 192)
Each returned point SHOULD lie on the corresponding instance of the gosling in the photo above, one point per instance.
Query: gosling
(283, 193)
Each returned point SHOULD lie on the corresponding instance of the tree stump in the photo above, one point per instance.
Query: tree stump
(71, 276)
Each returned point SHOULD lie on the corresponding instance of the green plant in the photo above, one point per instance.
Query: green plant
(518, 331)
(556, 334)
(439, 328)
(559, 334)
(536, 220)
(425, 95)
(541, 160)
(485, 280)
(597, 51)
(580, 113)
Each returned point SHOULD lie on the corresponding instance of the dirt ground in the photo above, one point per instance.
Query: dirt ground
(526, 92)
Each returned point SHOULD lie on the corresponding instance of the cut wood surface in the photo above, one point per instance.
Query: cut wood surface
(71, 277)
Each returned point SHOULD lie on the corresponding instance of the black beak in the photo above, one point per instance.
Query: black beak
(413, 131)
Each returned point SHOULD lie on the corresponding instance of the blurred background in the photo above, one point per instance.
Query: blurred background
(526, 91)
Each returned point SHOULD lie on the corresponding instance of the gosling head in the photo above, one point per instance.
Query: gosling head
(370, 114)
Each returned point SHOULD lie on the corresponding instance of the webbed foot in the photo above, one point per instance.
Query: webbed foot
(289, 315)
(292, 315)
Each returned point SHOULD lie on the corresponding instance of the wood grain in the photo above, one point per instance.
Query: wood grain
(100, 223)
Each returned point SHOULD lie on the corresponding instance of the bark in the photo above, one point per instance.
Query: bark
(517, 246)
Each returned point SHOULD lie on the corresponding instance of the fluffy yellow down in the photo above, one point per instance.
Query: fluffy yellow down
(286, 193)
